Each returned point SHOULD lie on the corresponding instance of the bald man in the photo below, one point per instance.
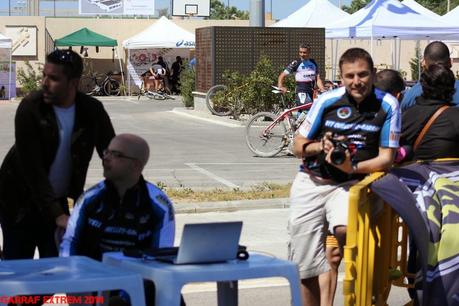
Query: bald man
(122, 212)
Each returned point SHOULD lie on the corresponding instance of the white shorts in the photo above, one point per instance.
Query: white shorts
(312, 206)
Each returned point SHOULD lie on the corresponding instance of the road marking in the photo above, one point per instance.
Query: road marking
(249, 163)
(227, 124)
(211, 175)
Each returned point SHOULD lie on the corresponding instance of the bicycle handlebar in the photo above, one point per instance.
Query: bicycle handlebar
(277, 90)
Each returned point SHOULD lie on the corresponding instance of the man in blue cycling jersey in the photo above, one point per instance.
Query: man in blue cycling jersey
(435, 53)
(348, 133)
(124, 212)
(307, 76)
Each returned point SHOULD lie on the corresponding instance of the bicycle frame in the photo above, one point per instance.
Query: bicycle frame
(285, 114)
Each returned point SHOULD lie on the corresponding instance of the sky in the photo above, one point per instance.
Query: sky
(281, 8)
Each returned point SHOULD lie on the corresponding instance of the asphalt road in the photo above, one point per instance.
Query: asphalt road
(186, 151)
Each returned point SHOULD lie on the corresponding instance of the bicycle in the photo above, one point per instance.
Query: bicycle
(156, 95)
(267, 134)
(90, 85)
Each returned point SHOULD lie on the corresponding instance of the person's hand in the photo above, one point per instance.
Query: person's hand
(326, 145)
(58, 235)
(62, 221)
(283, 89)
(346, 166)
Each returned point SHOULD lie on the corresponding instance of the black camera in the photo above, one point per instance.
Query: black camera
(338, 156)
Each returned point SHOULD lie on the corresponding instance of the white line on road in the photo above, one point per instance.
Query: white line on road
(227, 124)
(211, 175)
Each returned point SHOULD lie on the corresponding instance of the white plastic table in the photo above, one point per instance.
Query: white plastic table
(70, 274)
(169, 279)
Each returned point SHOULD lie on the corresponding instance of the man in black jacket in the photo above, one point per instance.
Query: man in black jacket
(56, 131)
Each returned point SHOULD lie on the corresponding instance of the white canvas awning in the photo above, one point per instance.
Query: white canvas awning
(420, 9)
(389, 19)
(452, 16)
(162, 34)
(315, 14)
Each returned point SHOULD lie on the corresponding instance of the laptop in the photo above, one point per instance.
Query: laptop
(206, 243)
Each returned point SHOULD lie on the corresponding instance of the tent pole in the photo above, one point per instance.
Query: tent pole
(332, 60)
(121, 66)
(392, 51)
(371, 44)
(399, 53)
(9, 76)
(128, 73)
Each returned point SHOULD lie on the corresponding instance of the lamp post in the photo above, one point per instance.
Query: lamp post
(448, 5)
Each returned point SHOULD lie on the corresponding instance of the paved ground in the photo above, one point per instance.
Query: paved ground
(187, 151)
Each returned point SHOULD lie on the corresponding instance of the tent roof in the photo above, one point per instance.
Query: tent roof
(452, 16)
(86, 37)
(420, 9)
(5, 42)
(311, 15)
(162, 34)
(390, 18)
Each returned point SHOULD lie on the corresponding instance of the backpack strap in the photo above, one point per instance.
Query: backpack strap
(427, 126)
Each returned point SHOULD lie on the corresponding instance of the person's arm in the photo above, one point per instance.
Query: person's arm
(320, 83)
(280, 81)
(165, 231)
(382, 162)
(409, 97)
(77, 222)
(30, 154)
(104, 129)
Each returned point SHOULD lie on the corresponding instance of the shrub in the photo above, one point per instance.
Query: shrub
(254, 90)
(187, 84)
(29, 78)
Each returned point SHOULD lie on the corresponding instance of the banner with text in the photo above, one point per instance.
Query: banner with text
(116, 7)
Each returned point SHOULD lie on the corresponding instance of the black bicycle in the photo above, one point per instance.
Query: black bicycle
(95, 86)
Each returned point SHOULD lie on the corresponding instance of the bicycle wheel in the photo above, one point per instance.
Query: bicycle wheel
(87, 85)
(262, 141)
(158, 96)
(214, 109)
(112, 87)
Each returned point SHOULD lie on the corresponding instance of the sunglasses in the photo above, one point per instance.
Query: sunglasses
(117, 154)
(65, 56)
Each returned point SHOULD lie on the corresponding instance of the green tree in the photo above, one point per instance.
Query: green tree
(29, 78)
(355, 6)
(415, 63)
(219, 11)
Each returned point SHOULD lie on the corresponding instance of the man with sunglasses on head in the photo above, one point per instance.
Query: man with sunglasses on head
(56, 131)
(124, 212)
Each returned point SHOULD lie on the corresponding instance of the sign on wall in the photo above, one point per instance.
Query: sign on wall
(116, 7)
(24, 40)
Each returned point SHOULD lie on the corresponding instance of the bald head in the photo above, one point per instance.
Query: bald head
(134, 146)
(437, 53)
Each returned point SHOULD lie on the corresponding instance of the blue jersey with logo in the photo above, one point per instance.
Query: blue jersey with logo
(306, 72)
(373, 123)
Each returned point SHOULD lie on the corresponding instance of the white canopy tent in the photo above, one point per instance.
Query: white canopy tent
(388, 19)
(452, 16)
(163, 34)
(315, 14)
(421, 9)
(6, 43)
(391, 19)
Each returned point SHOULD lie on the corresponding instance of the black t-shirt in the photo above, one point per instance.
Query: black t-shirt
(442, 138)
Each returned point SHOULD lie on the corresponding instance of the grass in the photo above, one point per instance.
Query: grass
(262, 191)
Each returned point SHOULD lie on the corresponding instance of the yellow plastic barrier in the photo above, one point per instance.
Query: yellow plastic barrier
(375, 254)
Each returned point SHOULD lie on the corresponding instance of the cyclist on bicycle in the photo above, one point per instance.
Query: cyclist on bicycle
(306, 75)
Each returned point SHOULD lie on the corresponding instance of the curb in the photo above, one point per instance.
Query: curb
(228, 206)
(205, 116)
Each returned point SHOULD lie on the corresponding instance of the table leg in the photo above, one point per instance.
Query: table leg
(167, 293)
(227, 293)
(291, 274)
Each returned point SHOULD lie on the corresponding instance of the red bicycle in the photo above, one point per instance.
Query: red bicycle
(267, 134)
